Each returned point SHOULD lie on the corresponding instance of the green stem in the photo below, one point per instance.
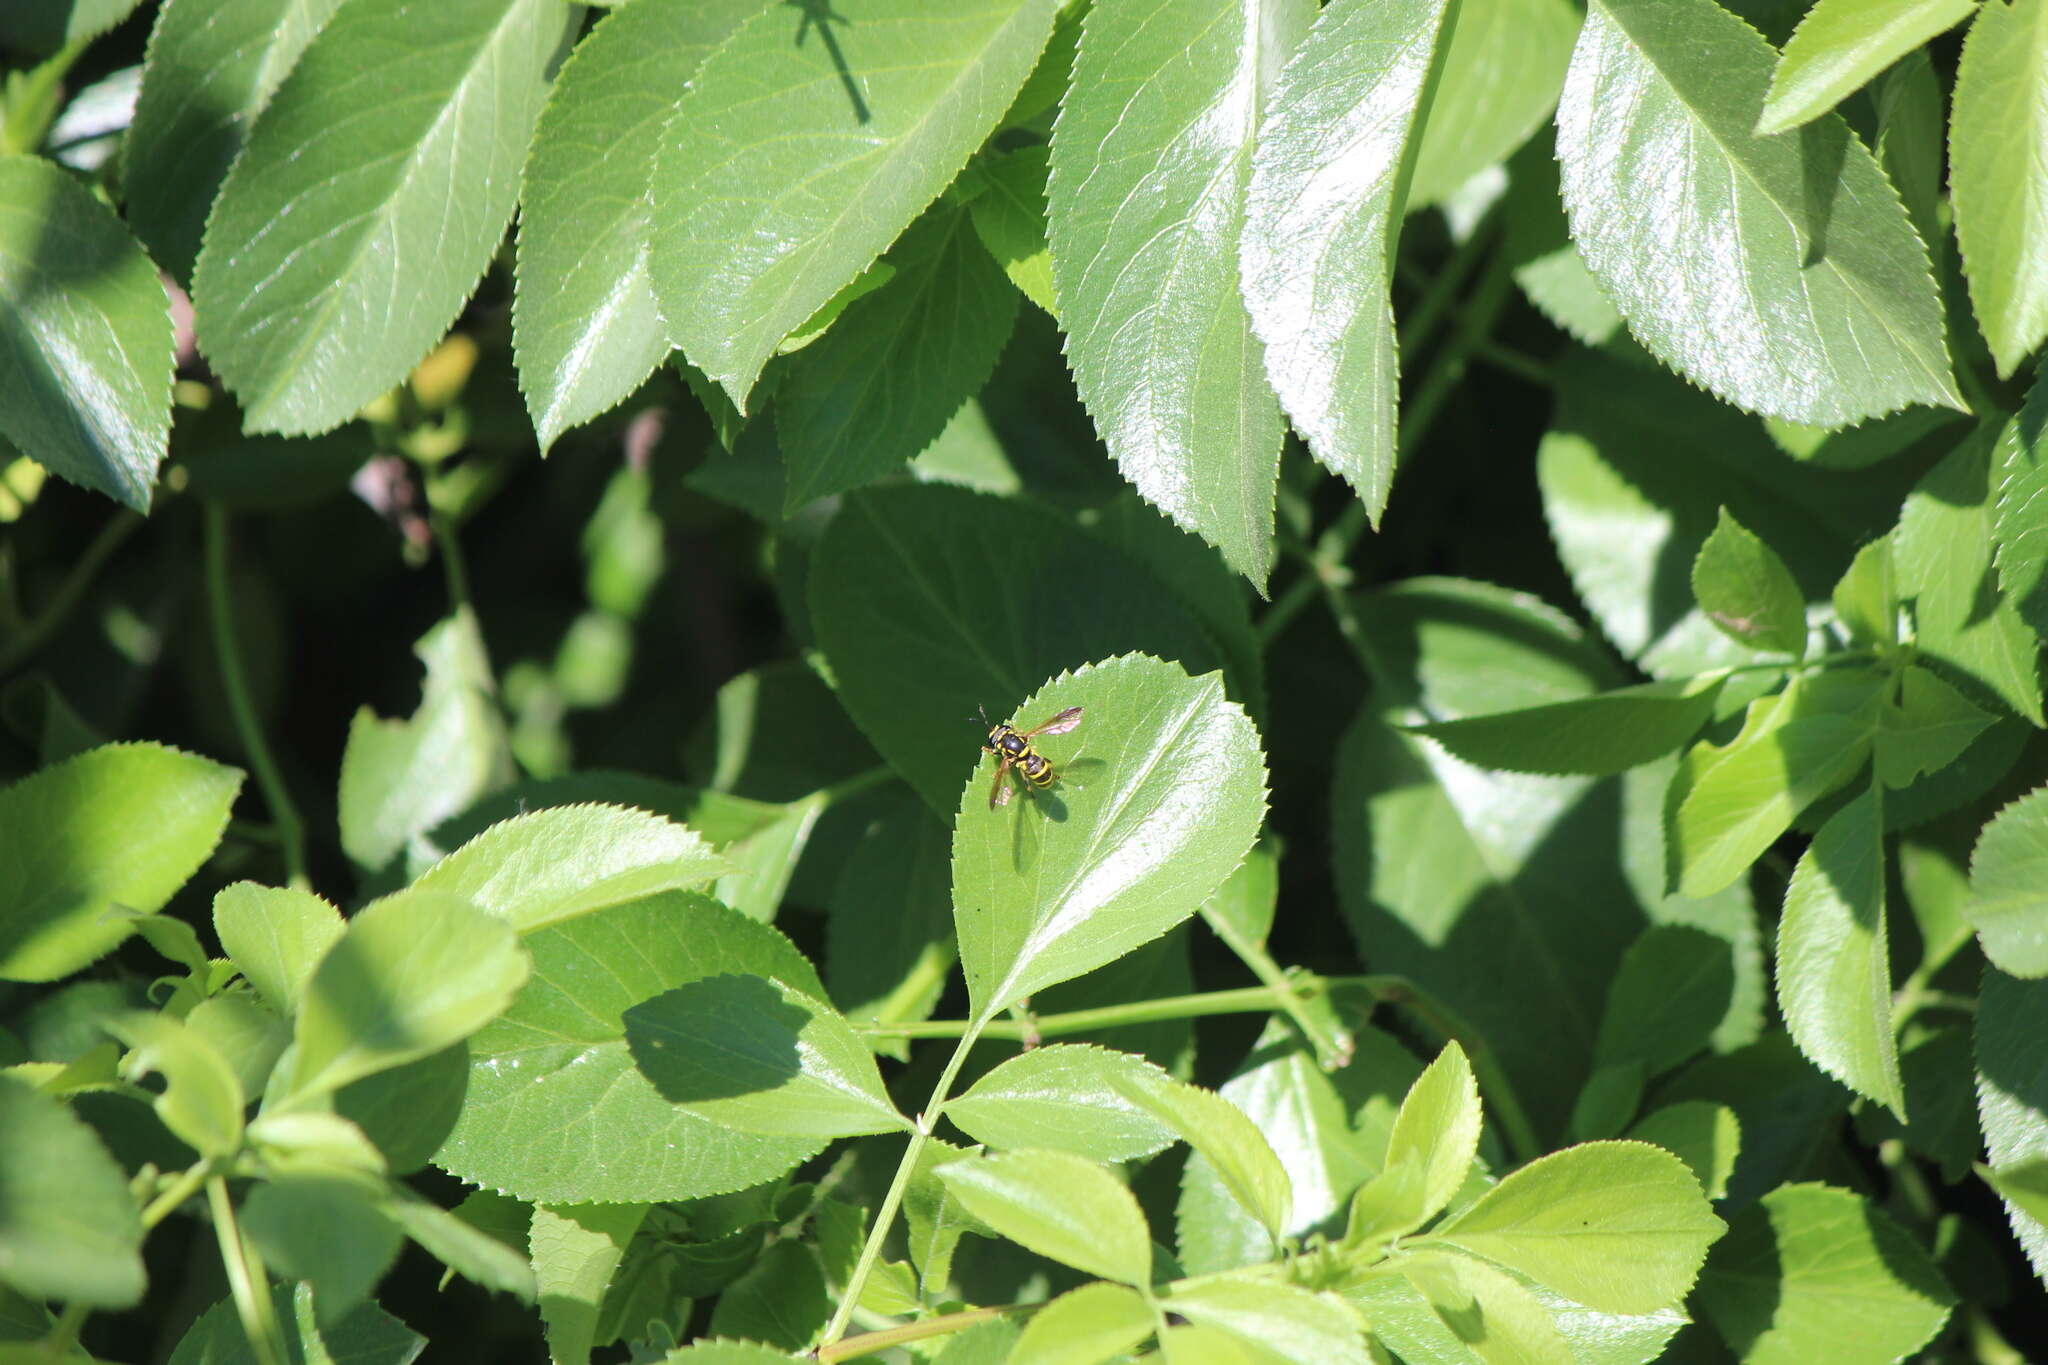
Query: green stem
(1245, 1000)
(850, 787)
(873, 1343)
(31, 104)
(1333, 1045)
(885, 1216)
(291, 829)
(63, 1333)
(246, 1280)
(181, 1189)
(1516, 363)
(1430, 312)
(452, 565)
(36, 633)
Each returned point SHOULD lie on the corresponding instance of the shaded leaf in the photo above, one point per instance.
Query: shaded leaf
(2012, 1090)
(1009, 215)
(1998, 138)
(2008, 903)
(1705, 1136)
(1501, 74)
(68, 1227)
(333, 1234)
(1841, 45)
(1746, 590)
(202, 1098)
(1597, 736)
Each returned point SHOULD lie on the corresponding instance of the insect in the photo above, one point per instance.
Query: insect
(1012, 748)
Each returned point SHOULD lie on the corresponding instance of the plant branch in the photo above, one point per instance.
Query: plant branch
(246, 1280)
(1245, 1000)
(36, 633)
(872, 1343)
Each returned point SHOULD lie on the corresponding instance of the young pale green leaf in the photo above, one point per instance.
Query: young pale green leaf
(1668, 996)
(1060, 1206)
(1704, 1135)
(1150, 162)
(1998, 140)
(412, 974)
(1794, 748)
(202, 1099)
(934, 603)
(820, 322)
(1842, 45)
(1944, 551)
(247, 1034)
(332, 264)
(748, 1052)
(400, 778)
(1492, 1315)
(2012, 1090)
(212, 66)
(334, 1234)
(1294, 1324)
(881, 385)
(1747, 592)
(1596, 736)
(555, 864)
(1086, 1326)
(555, 1109)
(1779, 273)
(308, 1139)
(585, 328)
(1328, 188)
(68, 1226)
(1227, 1139)
(2020, 470)
(1404, 1320)
(85, 336)
(275, 936)
(1926, 729)
(1438, 1129)
(1009, 214)
(1776, 1287)
(1834, 974)
(1618, 1226)
(1501, 74)
(1066, 1098)
(575, 1252)
(804, 146)
(2025, 1187)
(468, 1250)
(1866, 597)
(2008, 902)
(1056, 884)
(123, 824)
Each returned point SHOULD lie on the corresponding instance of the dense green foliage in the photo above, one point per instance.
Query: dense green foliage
(1513, 535)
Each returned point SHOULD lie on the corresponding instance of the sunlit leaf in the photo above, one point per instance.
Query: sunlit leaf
(1998, 139)
(1842, 44)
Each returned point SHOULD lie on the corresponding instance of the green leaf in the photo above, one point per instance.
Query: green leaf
(889, 950)
(1597, 736)
(1500, 79)
(1943, 550)
(248, 1035)
(47, 27)
(314, 1142)
(932, 602)
(366, 1336)
(68, 1226)
(2008, 902)
(1842, 45)
(1834, 972)
(1490, 1313)
(1241, 910)
(2025, 1187)
(1866, 598)
(2012, 1090)
(1438, 1130)
(1322, 218)
(1735, 799)
(1998, 138)
(801, 150)
(933, 1219)
(1009, 215)
(2021, 522)
(783, 1299)
(412, 974)
(750, 1053)
(333, 1234)
(333, 264)
(1618, 1226)
(1228, 1140)
(470, 1251)
(576, 1251)
(880, 386)
(1291, 1322)
(565, 861)
(1926, 729)
(726, 1353)
(202, 1099)
(1668, 996)
(1705, 1136)
(212, 66)
(556, 1110)
(1781, 274)
(85, 336)
(1813, 1273)
(275, 936)
(585, 327)
(1746, 590)
(1060, 1206)
(1067, 1098)
(1151, 160)
(1086, 1326)
(1049, 887)
(400, 778)
(820, 322)
(123, 824)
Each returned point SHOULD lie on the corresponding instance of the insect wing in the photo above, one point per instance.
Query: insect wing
(1059, 724)
(999, 793)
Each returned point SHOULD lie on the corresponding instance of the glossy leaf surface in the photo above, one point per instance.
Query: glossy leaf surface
(1059, 1206)
(1998, 137)
(2008, 901)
